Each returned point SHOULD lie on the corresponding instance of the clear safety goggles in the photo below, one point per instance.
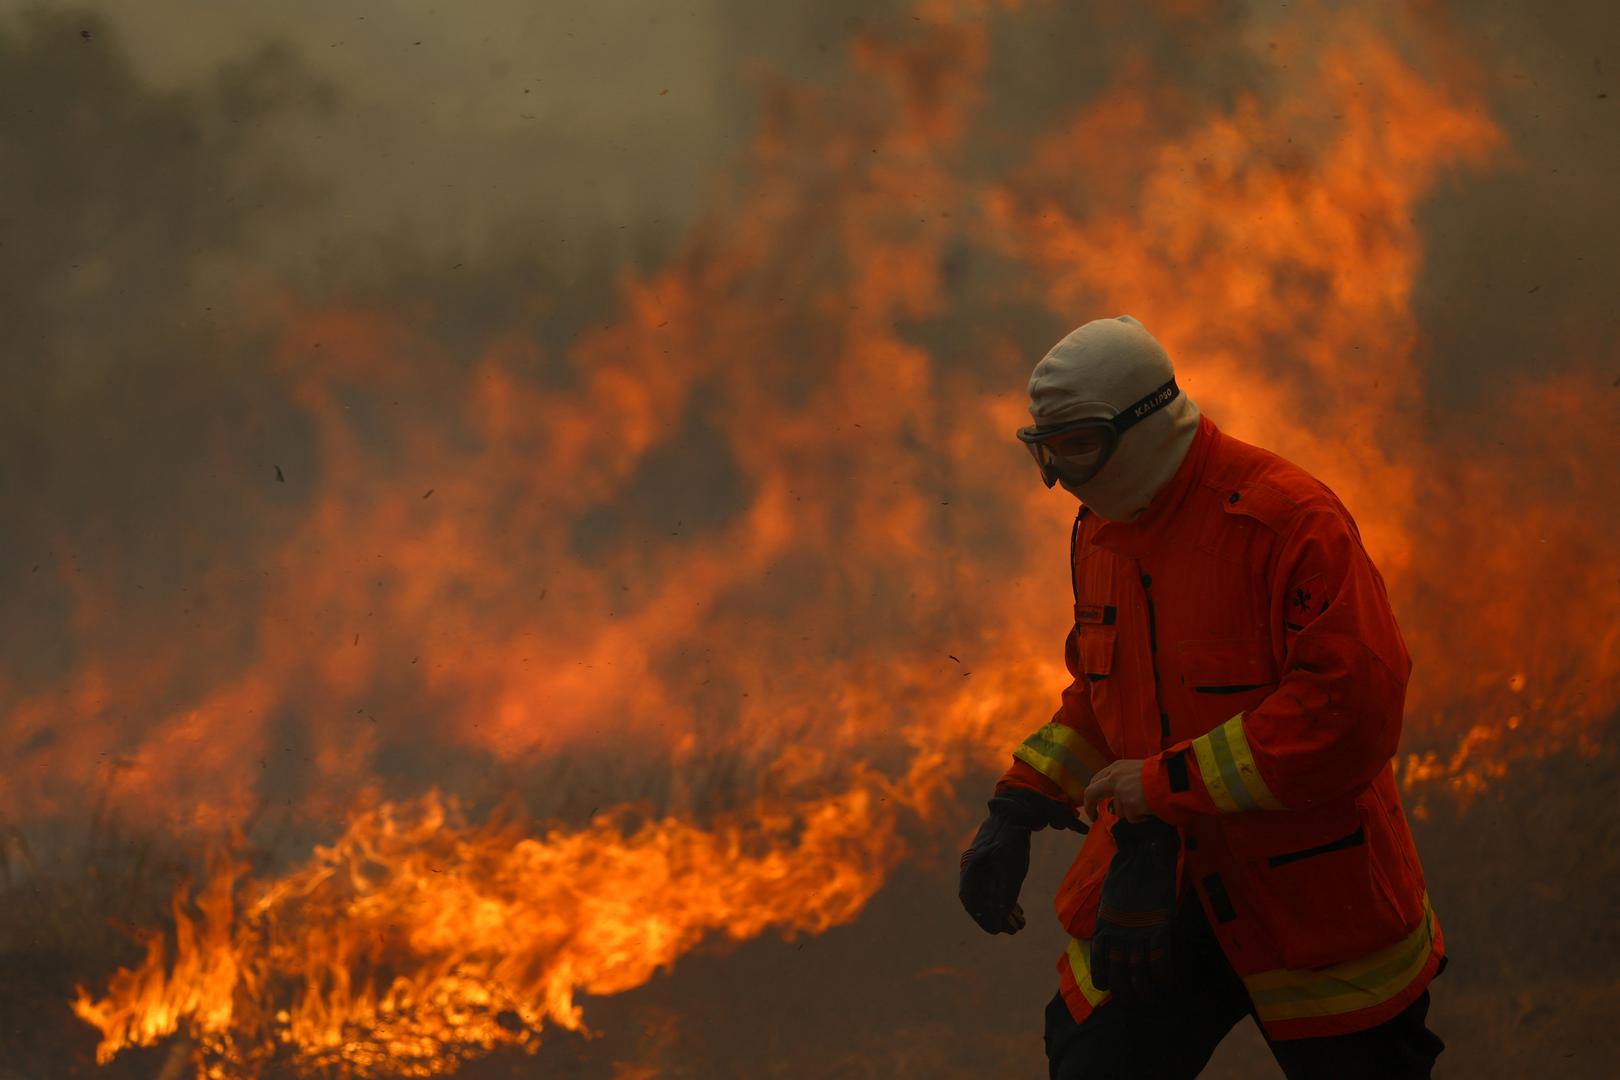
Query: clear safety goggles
(1077, 450)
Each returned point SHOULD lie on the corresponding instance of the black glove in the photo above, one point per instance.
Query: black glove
(1130, 952)
(994, 865)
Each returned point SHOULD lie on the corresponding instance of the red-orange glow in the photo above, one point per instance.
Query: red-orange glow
(880, 519)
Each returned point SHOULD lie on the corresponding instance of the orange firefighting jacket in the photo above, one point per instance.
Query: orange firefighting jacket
(1238, 638)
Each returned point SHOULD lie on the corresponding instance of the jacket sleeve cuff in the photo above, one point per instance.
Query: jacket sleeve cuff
(1062, 756)
(1167, 784)
(1212, 774)
(1226, 771)
(1022, 775)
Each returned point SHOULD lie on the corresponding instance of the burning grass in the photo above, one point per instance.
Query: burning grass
(908, 984)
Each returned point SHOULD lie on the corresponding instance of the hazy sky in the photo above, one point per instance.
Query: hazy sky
(452, 120)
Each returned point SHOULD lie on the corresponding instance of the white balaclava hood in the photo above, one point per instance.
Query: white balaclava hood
(1098, 371)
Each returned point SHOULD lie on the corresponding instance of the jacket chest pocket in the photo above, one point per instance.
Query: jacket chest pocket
(1112, 681)
(1221, 677)
(1095, 648)
(1096, 616)
(1112, 688)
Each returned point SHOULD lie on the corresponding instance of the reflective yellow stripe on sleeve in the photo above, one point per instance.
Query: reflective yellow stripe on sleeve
(1229, 772)
(1080, 967)
(1062, 755)
(1356, 984)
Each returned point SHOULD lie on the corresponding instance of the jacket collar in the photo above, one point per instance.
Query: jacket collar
(1133, 539)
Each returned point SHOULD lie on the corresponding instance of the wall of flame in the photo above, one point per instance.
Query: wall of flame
(727, 598)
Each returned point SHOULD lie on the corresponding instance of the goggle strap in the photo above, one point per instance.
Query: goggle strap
(1149, 405)
(1121, 422)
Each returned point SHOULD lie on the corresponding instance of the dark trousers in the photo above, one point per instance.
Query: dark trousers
(1174, 1038)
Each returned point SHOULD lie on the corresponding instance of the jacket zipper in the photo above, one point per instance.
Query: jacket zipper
(1153, 652)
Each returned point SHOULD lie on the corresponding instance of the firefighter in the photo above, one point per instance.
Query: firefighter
(1238, 681)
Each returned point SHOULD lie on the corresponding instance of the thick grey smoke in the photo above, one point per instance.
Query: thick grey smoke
(1521, 261)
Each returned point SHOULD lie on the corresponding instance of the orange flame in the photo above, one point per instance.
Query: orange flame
(490, 933)
(833, 365)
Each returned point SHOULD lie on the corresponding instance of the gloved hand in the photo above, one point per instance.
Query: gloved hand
(994, 865)
(1130, 951)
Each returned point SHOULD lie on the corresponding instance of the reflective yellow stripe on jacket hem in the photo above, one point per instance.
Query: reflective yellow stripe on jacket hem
(1059, 753)
(1348, 987)
(1229, 772)
(1080, 967)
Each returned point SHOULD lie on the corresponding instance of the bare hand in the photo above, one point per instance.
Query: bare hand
(1122, 782)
